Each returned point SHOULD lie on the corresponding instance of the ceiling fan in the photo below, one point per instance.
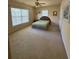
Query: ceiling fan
(37, 3)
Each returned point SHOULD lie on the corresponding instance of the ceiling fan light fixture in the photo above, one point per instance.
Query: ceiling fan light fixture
(38, 4)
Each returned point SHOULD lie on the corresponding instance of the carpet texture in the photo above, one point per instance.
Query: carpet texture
(30, 43)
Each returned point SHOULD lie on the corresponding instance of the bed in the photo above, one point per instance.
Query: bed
(43, 23)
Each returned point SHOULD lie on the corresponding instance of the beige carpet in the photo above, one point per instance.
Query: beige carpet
(32, 43)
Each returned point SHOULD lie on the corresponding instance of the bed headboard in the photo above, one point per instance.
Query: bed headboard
(45, 18)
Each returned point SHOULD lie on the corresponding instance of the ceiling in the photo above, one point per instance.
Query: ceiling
(47, 2)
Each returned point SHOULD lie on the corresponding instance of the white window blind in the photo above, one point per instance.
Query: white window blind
(19, 16)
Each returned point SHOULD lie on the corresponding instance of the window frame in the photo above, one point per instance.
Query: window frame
(44, 10)
(39, 14)
(21, 17)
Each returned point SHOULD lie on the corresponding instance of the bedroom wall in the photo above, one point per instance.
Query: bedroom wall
(50, 9)
(19, 5)
(65, 27)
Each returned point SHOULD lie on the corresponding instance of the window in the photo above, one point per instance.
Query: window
(19, 16)
(44, 12)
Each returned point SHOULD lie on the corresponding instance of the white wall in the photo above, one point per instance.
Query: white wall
(65, 27)
(50, 9)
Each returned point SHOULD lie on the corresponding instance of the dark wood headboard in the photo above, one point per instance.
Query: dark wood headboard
(45, 18)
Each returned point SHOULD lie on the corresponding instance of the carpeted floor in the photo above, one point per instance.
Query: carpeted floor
(32, 43)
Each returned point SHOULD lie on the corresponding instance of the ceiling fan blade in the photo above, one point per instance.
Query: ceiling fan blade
(37, 3)
(42, 3)
(36, 0)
